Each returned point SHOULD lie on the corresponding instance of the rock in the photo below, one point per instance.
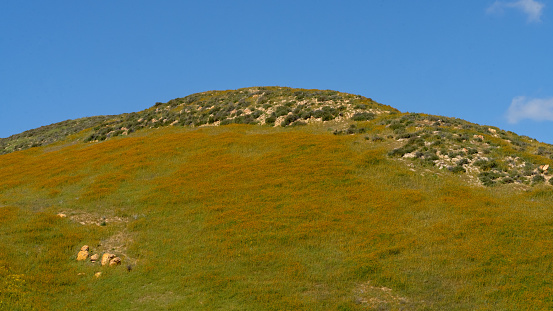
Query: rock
(97, 274)
(61, 215)
(545, 167)
(82, 255)
(85, 248)
(115, 261)
(106, 258)
(94, 257)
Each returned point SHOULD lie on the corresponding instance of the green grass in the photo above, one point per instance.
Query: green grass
(255, 218)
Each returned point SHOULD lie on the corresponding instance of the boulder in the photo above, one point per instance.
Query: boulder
(97, 274)
(106, 258)
(94, 257)
(62, 215)
(82, 255)
(84, 248)
(115, 261)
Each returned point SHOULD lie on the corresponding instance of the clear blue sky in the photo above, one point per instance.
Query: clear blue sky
(486, 61)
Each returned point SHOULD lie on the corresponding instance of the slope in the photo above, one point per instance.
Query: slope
(249, 217)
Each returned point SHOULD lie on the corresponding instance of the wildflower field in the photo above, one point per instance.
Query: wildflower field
(249, 217)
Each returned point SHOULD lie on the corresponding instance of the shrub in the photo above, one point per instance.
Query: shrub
(256, 114)
(298, 123)
(282, 111)
(486, 165)
(306, 114)
(462, 161)
(376, 138)
(406, 135)
(537, 179)
(289, 119)
(457, 169)
(487, 178)
(227, 121)
(397, 126)
(363, 116)
(271, 119)
(402, 150)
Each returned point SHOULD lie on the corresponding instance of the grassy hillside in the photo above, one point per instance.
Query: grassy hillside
(341, 214)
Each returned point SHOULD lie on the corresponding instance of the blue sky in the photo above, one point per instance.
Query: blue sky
(488, 62)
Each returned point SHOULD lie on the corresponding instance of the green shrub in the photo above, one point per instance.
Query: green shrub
(488, 178)
(486, 165)
(306, 114)
(462, 161)
(270, 119)
(289, 119)
(508, 180)
(282, 111)
(457, 169)
(537, 179)
(298, 123)
(363, 116)
(397, 126)
(399, 152)
(376, 138)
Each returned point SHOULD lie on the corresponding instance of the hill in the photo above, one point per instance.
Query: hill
(364, 207)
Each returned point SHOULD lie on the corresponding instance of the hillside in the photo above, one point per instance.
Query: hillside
(487, 155)
(361, 208)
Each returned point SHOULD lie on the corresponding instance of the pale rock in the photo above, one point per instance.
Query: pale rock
(106, 258)
(115, 261)
(61, 215)
(97, 274)
(85, 248)
(94, 257)
(82, 255)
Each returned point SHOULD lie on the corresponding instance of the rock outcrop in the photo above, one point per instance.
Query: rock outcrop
(115, 261)
(94, 257)
(106, 259)
(83, 254)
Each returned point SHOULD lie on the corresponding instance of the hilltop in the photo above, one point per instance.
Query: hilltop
(271, 198)
(487, 155)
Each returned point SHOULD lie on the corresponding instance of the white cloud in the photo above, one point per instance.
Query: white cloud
(537, 109)
(533, 9)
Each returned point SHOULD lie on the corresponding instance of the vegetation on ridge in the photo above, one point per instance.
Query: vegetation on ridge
(48, 134)
(275, 106)
(487, 154)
